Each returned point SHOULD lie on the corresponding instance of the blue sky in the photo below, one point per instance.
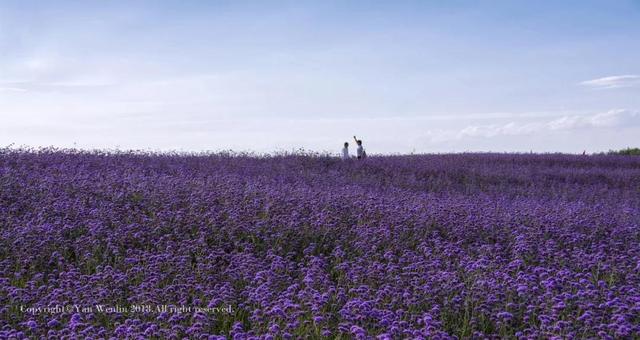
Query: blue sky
(423, 76)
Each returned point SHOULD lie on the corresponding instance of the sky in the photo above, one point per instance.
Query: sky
(268, 76)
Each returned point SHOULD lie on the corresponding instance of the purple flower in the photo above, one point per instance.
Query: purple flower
(506, 316)
(53, 323)
(32, 324)
(357, 330)
(283, 245)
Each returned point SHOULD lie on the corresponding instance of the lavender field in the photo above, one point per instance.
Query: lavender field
(124, 245)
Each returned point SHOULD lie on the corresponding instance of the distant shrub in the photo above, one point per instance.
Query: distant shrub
(626, 152)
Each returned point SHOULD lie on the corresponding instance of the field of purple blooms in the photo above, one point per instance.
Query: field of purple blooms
(308, 246)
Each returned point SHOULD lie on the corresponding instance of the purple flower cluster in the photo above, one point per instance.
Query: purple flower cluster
(440, 246)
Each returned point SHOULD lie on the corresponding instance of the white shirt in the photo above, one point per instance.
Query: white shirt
(360, 150)
(345, 153)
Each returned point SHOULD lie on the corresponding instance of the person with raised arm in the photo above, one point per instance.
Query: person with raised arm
(360, 153)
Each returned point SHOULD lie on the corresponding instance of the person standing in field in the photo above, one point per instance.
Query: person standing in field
(345, 151)
(360, 153)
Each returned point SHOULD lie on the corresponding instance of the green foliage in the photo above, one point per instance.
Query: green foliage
(626, 152)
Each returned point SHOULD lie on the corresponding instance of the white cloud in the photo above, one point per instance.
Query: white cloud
(511, 128)
(12, 89)
(611, 119)
(567, 122)
(615, 118)
(93, 81)
(612, 82)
